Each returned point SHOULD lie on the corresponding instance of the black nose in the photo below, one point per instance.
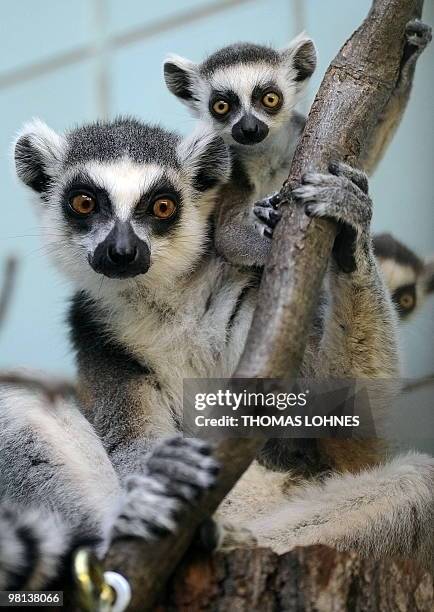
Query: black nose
(249, 130)
(122, 255)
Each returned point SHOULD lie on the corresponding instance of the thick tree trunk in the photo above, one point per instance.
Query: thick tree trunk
(311, 579)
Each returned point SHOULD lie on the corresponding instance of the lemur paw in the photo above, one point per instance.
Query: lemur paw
(418, 35)
(268, 213)
(341, 196)
(176, 472)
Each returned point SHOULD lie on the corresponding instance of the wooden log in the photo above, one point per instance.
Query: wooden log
(311, 579)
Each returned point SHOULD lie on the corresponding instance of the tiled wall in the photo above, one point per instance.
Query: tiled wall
(69, 62)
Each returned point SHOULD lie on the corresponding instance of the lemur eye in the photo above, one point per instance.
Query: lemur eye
(83, 204)
(406, 301)
(271, 99)
(164, 208)
(221, 107)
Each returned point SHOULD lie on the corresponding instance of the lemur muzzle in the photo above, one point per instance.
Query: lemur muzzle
(122, 254)
(249, 130)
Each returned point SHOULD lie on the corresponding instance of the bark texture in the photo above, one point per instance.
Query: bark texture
(343, 119)
(312, 579)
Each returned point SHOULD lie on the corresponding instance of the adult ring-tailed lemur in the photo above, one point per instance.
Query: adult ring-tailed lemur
(409, 278)
(156, 303)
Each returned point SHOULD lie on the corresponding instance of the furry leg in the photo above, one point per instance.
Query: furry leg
(384, 511)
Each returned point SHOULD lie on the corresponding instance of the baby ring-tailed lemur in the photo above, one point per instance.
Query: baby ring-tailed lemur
(247, 94)
(155, 304)
(58, 489)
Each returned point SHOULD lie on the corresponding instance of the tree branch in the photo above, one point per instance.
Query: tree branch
(353, 94)
(53, 388)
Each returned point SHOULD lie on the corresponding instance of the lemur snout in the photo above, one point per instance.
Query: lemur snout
(249, 130)
(122, 254)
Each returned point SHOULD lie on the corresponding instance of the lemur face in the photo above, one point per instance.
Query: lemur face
(122, 199)
(409, 279)
(245, 92)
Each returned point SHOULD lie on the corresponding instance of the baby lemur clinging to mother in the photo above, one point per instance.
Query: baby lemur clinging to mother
(247, 93)
(155, 303)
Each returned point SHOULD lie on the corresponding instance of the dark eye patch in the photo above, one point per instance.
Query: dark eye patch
(259, 92)
(143, 213)
(228, 96)
(404, 299)
(82, 183)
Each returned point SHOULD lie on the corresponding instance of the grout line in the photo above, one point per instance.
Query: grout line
(300, 25)
(102, 58)
(80, 54)
(299, 12)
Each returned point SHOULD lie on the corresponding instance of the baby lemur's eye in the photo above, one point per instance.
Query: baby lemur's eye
(221, 107)
(82, 204)
(271, 99)
(164, 208)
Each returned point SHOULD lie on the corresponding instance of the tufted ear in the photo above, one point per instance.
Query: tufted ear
(428, 276)
(38, 152)
(300, 58)
(181, 76)
(207, 158)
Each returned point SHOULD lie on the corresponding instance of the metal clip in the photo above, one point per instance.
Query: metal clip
(94, 594)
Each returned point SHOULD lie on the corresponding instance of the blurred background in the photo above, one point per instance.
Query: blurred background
(69, 62)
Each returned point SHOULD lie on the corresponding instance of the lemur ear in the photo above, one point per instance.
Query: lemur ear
(428, 276)
(207, 158)
(300, 58)
(38, 151)
(181, 75)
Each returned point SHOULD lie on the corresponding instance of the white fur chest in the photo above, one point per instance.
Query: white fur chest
(186, 331)
(268, 168)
